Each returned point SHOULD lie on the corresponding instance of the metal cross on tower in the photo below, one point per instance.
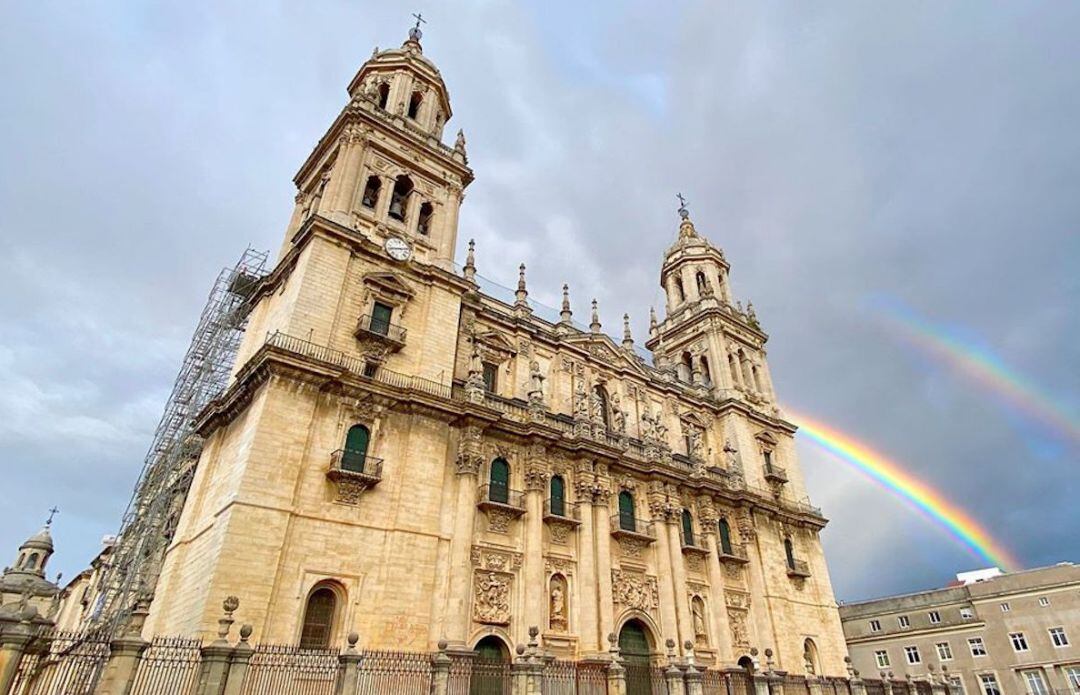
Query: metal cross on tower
(52, 512)
(683, 212)
(419, 19)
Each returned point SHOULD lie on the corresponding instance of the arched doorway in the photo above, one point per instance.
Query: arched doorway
(746, 663)
(491, 669)
(635, 648)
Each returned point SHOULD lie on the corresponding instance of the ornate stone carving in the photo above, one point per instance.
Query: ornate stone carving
(560, 532)
(491, 597)
(634, 590)
(733, 570)
(490, 559)
(535, 478)
(349, 491)
(498, 520)
(737, 599)
(470, 451)
(697, 609)
(632, 547)
(740, 637)
(557, 604)
(694, 563)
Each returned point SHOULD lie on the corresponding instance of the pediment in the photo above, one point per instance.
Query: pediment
(496, 341)
(603, 350)
(767, 437)
(389, 283)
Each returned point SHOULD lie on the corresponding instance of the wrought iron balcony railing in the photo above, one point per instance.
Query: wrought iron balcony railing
(629, 525)
(735, 554)
(774, 473)
(374, 327)
(499, 496)
(561, 510)
(798, 568)
(355, 466)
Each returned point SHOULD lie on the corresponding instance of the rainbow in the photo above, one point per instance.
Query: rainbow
(889, 475)
(979, 365)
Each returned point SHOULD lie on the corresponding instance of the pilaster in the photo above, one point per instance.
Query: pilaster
(601, 512)
(587, 573)
(533, 569)
(469, 460)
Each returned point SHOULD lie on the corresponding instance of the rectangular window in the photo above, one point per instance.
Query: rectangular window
(882, 658)
(1036, 685)
(903, 621)
(380, 318)
(1072, 674)
(875, 626)
(1019, 642)
(1005, 608)
(371, 369)
(989, 684)
(1058, 637)
(491, 377)
(978, 648)
(944, 651)
(1043, 601)
(956, 685)
(966, 614)
(912, 655)
(935, 617)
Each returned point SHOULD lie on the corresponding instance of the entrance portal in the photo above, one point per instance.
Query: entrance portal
(491, 669)
(636, 652)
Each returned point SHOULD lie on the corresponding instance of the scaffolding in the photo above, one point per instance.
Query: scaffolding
(151, 516)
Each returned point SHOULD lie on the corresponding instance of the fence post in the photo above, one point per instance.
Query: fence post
(440, 670)
(13, 640)
(215, 656)
(527, 671)
(239, 663)
(349, 673)
(813, 685)
(691, 673)
(124, 655)
(672, 675)
(616, 673)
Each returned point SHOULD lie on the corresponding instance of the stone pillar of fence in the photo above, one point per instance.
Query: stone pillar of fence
(14, 636)
(673, 675)
(616, 673)
(125, 652)
(440, 670)
(527, 671)
(692, 675)
(214, 670)
(814, 685)
(239, 663)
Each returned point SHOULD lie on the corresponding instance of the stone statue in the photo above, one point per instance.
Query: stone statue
(618, 416)
(581, 402)
(731, 455)
(700, 633)
(661, 428)
(558, 607)
(697, 446)
(459, 142)
(648, 424)
(596, 405)
(536, 382)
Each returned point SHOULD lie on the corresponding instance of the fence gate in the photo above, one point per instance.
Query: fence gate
(169, 665)
(62, 663)
(289, 670)
(402, 673)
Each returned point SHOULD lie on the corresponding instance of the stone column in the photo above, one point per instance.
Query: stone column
(348, 672)
(447, 222)
(673, 675)
(214, 670)
(588, 611)
(721, 637)
(813, 684)
(536, 591)
(351, 153)
(241, 660)
(13, 640)
(678, 570)
(669, 622)
(440, 668)
(124, 655)
(616, 679)
(469, 460)
(601, 513)
(694, 681)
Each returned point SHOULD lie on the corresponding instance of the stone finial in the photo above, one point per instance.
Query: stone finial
(670, 644)
(594, 325)
(246, 629)
(565, 315)
(470, 263)
(521, 296)
(627, 338)
(229, 605)
(459, 141)
(443, 644)
(520, 649)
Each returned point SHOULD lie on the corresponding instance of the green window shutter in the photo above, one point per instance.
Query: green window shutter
(725, 537)
(380, 318)
(499, 488)
(356, 446)
(687, 527)
(558, 496)
(626, 511)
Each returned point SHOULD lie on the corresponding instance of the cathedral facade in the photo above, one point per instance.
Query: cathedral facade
(404, 456)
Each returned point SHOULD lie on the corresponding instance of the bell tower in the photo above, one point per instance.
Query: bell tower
(707, 339)
(382, 169)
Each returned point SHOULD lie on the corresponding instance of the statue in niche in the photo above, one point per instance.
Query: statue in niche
(731, 455)
(618, 416)
(697, 446)
(581, 402)
(701, 635)
(557, 605)
(536, 382)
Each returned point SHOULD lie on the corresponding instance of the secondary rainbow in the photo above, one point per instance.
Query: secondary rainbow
(979, 365)
(891, 476)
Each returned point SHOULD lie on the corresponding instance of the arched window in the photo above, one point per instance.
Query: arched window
(602, 403)
(423, 220)
(356, 446)
(33, 561)
(557, 503)
(733, 365)
(627, 521)
(399, 200)
(706, 373)
(22, 561)
(415, 100)
(686, 367)
(371, 192)
(789, 552)
(318, 619)
(810, 657)
(499, 481)
(757, 377)
(725, 537)
(680, 293)
(687, 528)
(384, 95)
(702, 284)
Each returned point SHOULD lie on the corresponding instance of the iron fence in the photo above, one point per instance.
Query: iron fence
(658, 680)
(275, 669)
(874, 687)
(836, 686)
(590, 679)
(796, 685)
(169, 665)
(490, 678)
(57, 662)
(559, 678)
(381, 672)
(460, 673)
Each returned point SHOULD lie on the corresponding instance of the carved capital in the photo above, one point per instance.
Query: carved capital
(536, 478)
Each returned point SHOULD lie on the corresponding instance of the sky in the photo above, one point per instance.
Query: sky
(848, 157)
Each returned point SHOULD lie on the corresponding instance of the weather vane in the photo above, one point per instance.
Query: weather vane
(683, 212)
(52, 512)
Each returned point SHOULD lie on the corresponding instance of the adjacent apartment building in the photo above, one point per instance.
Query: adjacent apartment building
(991, 633)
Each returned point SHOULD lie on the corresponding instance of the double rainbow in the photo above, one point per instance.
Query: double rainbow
(889, 475)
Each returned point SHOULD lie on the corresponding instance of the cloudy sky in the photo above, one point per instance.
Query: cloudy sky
(849, 159)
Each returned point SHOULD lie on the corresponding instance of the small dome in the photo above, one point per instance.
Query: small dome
(42, 540)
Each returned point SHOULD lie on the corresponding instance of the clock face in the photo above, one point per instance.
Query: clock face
(398, 249)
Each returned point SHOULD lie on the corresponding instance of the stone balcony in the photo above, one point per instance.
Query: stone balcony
(774, 473)
(389, 335)
(734, 555)
(626, 526)
(498, 498)
(798, 569)
(353, 472)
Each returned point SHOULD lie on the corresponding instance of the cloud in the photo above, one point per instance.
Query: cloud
(927, 152)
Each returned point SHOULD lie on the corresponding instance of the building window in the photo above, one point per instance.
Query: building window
(423, 220)
(687, 528)
(414, 104)
(1058, 637)
(626, 511)
(882, 658)
(399, 199)
(944, 651)
(384, 95)
(1036, 684)
(356, 446)
(318, 619)
(380, 318)
(989, 684)
(789, 552)
(935, 617)
(680, 294)
(499, 481)
(956, 685)
(875, 626)
(557, 489)
(371, 192)
(491, 377)
(966, 614)
(977, 646)
(1005, 608)
(912, 655)
(371, 369)
(1072, 675)
(1044, 601)
(903, 621)
(725, 536)
(1019, 642)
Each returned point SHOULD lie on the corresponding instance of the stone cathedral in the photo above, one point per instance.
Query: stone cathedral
(401, 455)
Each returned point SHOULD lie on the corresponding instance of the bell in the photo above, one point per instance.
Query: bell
(395, 207)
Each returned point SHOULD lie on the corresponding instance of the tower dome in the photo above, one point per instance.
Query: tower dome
(28, 572)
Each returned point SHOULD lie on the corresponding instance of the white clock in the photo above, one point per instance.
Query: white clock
(398, 248)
